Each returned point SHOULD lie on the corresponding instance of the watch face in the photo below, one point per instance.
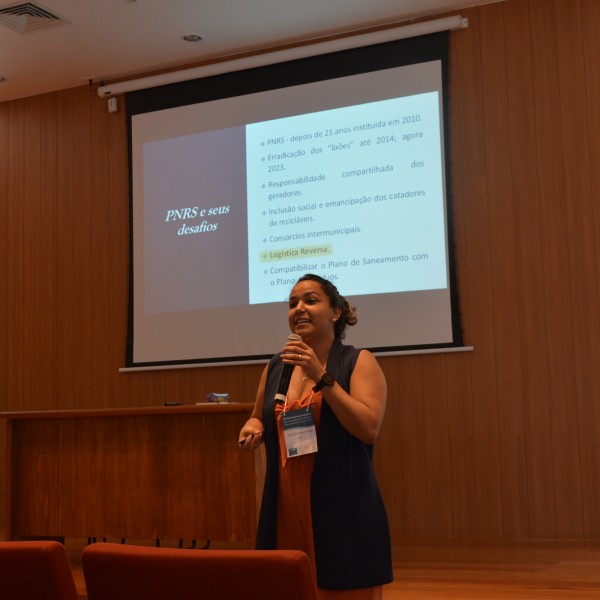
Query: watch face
(328, 379)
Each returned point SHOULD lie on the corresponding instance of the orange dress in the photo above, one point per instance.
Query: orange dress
(294, 518)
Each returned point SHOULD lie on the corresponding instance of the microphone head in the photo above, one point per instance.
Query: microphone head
(294, 337)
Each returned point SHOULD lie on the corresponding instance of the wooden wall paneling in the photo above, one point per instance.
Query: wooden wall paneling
(480, 301)
(462, 447)
(66, 326)
(174, 383)
(48, 240)
(503, 253)
(223, 456)
(412, 428)
(589, 421)
(582, 388)
(165, 386)
(252, 374)
(140, 387)
(435, 412)
(81, 484)
(388, 459)
(458, 378)
(81, 236)
(117, 293)
(134, 455)
(40, 454)
(572, 127)
(563, 352)
(30, 296)
(190, 502)
(556, 274)
(230, 380)
(520, 414)
(590, 11)
(4, 316)
(99, 240)
(532, 310)
(155, 387)
(458, 371)
(187, 384)
(15, 242)
(219, 379)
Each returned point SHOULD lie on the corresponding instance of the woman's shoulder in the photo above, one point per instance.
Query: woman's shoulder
(347, 351)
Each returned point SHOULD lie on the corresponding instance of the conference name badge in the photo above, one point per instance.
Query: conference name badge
(299, 432)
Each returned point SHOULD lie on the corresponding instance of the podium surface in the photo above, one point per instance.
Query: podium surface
(165, 472)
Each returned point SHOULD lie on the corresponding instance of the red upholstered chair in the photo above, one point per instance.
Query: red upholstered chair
(35, 571)
(123, 572)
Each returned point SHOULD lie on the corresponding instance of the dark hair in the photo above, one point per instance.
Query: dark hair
(336, 300)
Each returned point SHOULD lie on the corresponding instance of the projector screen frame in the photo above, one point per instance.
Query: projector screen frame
(281, 75)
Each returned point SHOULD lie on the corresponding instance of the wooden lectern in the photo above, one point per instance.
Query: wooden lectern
(172, 472)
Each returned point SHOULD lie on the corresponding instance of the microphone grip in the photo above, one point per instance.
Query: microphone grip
(284, 382)
(286, 373)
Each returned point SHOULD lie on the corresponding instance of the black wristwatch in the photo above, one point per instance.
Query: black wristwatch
(327, 380)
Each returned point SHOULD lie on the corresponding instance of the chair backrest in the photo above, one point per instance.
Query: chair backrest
(37, 570)
(122, 572)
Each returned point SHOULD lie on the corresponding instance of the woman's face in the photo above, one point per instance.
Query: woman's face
(310, 314)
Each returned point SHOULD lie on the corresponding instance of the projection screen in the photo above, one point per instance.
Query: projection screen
(241, 183)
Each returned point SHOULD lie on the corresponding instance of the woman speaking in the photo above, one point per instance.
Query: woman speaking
(321, 495)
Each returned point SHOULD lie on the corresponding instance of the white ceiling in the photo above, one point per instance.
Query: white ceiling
(100, 40)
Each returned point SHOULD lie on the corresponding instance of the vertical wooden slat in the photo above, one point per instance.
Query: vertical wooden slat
(589, 418)
(100, 269)
(530, 283)
(4, 317)
(582, 257)
(67, 362)
(81, 236)
(579, 236)
(121, 386)
(479, 299)
(437, 448)
(458, 371)
(556, 272)
(504, 257)
(49, 236)
(14, 271)
(410, 425)
(30, 295)
(135, 453)
(462, 448)
(4, 249)
(388, 457)
(223, 516)
(36, 448)
(82, 477)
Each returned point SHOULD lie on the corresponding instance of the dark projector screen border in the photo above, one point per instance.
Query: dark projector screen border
(242, 182)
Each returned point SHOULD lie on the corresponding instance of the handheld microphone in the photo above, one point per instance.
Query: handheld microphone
(286, 373)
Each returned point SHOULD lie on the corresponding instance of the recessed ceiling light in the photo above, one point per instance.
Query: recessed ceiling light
(191, 37)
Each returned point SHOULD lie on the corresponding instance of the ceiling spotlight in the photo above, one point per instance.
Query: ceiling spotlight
(191, 37)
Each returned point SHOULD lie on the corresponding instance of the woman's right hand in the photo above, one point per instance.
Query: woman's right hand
(251, 435)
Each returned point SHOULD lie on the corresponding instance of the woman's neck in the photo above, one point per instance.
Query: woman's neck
(322, 348)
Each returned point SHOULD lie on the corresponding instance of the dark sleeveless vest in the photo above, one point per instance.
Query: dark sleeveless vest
(350, 527)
